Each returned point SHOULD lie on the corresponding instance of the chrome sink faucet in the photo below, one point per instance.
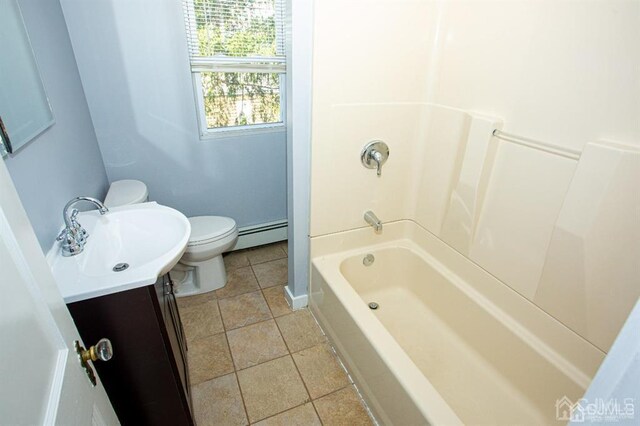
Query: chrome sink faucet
(74, 236)
(373, 220)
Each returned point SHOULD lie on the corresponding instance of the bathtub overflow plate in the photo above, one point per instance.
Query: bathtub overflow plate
(368, 260)
(373, 305)
(120, 267)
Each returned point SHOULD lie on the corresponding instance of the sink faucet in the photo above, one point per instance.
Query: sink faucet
(74, 236)
(373, 220)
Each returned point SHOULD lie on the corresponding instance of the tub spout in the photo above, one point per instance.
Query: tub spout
(373, 220)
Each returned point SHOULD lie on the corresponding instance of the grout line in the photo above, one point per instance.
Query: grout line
(306, 388)
(192, 341)
(269, 306)
(283, 411)
(267, 261)
(344, 367)
(333, 391)
(249, 249)
(224, 326)
(277, 414)
(298, 370)
(233, 361)
(235, 374)
(361, 400)
(263, 362)
(244, 292)
(246, 325)
(244, 404)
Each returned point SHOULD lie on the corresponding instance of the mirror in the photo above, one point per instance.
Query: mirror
(24, 108)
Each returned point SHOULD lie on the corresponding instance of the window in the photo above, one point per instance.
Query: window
(236, 49)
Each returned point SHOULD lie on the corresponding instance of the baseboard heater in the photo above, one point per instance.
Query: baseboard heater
(265, 233)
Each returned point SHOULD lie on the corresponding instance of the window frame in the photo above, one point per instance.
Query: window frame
(262, 64)
(233, 131)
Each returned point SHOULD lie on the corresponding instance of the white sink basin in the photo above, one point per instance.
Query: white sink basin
(150, 238)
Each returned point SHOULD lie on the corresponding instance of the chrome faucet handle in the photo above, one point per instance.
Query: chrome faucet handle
(64, 234)
(71, 241)
(374, 155)
(82, 233)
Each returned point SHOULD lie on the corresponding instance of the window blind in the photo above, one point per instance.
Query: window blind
(235, 35)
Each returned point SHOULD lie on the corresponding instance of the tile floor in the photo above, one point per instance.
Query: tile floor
(253, 360)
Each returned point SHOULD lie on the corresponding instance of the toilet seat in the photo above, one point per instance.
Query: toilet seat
(208, 229)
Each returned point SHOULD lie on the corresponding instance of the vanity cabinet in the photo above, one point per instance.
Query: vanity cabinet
(147, 379)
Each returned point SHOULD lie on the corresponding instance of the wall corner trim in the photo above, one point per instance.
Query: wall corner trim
(296, 302)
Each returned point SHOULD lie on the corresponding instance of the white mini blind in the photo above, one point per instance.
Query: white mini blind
(236, 35)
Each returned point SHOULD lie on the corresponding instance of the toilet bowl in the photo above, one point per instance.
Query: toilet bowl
(201, 268)
(210, 237)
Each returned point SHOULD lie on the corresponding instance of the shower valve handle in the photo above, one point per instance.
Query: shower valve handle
(374, 155)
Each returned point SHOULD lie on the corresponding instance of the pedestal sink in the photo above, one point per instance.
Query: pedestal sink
(129, 247)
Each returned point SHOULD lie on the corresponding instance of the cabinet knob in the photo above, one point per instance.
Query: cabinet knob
(103, 351)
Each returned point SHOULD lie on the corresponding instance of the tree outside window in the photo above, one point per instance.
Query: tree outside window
(237, 52)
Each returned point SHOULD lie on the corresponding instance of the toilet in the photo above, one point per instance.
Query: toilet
(201, 268)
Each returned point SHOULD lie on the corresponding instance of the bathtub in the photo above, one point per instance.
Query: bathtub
(448, 343)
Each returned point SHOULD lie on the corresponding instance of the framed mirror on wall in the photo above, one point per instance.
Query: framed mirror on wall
(24, 107)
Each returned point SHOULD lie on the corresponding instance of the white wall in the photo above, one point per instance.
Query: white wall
(564, 72)
(132, 57)
(64, 161)
(433, 79)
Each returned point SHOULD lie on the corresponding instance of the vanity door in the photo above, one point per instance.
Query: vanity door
(146, 380)
(175, 332)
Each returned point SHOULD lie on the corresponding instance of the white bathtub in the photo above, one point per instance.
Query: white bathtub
(449, 343)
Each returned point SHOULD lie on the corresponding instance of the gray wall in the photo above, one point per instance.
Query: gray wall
(132, 57)
(65, 160)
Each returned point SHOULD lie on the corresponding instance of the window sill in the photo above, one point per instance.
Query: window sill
(240, 131)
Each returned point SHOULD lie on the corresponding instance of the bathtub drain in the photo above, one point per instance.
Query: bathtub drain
(368, 260)
(373, 305)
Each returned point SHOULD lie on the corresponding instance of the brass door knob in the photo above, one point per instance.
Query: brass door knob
(103, 351)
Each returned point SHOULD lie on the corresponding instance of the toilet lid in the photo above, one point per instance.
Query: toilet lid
(210, 228)
(125, 192)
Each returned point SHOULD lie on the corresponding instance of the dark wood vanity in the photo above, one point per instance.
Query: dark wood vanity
(147, 379)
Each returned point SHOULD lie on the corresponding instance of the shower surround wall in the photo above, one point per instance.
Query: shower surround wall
(433, 79)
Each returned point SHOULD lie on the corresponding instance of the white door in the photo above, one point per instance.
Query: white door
(41, 379)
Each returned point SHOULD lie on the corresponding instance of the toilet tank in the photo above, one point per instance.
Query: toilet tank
(125, 192)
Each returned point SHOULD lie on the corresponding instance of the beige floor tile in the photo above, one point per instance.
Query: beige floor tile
(342, 408)
(300, 330)
(271, 273)
(320, 370)
(195, 300)
(235, 260)
(201, 320)
(277, 302)
(255, 344)
(303, 415)
(284, 245)
(239, 281)
(265, 254)
(209, 358)
(271, 388)
(218, 402)
(245, 309)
